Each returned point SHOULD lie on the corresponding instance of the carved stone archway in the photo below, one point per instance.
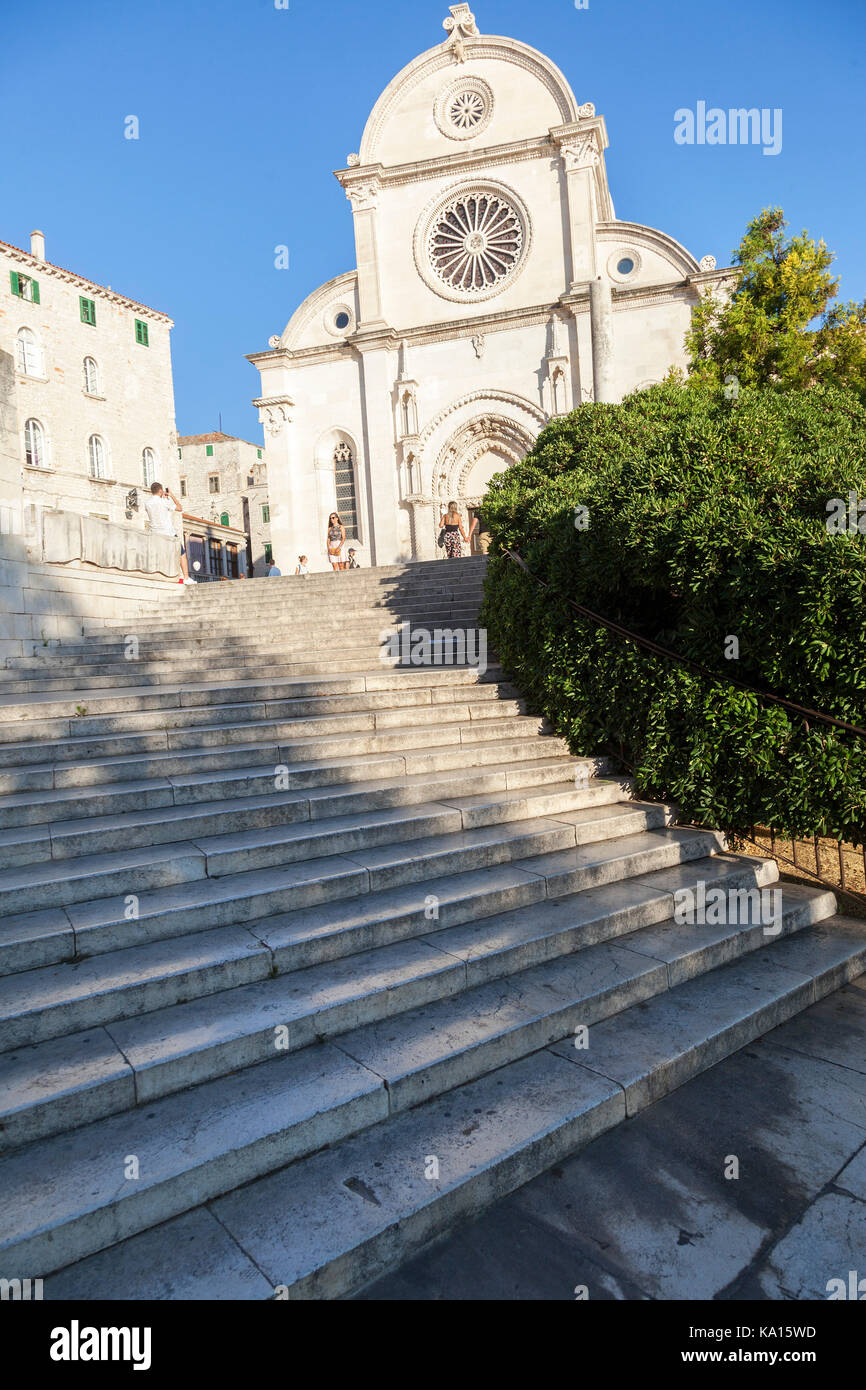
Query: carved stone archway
(458, 452)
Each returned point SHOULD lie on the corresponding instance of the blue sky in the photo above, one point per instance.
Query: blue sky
(245, 109)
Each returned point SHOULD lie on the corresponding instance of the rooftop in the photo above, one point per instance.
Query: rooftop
(39, 264)
(215, 438)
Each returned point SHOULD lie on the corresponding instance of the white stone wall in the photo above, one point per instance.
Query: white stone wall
(234, 461)
(42, 605)
(132, 410)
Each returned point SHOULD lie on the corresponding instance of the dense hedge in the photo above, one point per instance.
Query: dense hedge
(706, 520)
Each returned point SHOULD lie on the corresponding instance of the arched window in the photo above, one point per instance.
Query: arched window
(34, 445)
(148, 466)
(29, 353)
(347, 503)
(98, 457)
(91, 376)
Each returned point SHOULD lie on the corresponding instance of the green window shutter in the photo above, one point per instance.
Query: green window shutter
(259, 452)
(88, 310)
(266, 515)
(13, 278)
(141, 333)
(224, 519)
(34, 286)
(209, 451)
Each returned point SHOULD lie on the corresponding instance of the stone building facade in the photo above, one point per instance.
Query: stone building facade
(225, 481)
(91, 389)
(495, 288)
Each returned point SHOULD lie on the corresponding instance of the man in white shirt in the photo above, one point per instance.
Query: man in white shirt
(162, 508)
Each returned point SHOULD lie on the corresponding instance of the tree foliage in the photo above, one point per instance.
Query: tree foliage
(706, 520)
(779, 328)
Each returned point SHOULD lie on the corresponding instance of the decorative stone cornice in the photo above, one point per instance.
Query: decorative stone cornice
(462, 161)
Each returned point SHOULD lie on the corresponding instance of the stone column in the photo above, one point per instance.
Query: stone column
(601, 314)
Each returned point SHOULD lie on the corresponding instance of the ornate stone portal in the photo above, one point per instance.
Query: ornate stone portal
(495, 290)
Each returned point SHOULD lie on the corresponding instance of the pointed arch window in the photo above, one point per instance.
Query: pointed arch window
(148, 466)
(347, 501)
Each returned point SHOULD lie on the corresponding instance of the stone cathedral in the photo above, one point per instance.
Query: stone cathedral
(495, 289)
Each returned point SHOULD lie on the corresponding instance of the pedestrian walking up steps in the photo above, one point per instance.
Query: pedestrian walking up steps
(305, 957)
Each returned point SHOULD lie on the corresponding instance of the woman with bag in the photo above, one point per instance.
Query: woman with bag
(451, 532)
(335, 542)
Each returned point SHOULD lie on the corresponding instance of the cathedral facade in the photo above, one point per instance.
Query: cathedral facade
(495, 289)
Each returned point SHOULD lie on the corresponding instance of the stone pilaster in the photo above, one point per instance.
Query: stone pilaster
(581, 148)
(363, 194)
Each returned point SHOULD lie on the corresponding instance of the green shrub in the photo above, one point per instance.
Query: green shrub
(707, 520)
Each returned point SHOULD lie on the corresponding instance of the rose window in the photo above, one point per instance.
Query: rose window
(467, 110)
(475, 242)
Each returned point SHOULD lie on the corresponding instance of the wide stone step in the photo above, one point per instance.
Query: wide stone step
(99, 771)
(195, 694)
(243, 712)
(98, 925)
(334, 780)
(136, 1032)
(76, 748)
(116, 675)
(31, 844)
(236, 643)
(68, 1197)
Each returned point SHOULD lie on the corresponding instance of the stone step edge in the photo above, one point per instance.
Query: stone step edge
(174, 693)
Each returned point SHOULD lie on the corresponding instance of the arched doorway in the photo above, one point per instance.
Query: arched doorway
(481, 448)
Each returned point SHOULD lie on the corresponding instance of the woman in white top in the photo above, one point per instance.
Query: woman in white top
(335, 542)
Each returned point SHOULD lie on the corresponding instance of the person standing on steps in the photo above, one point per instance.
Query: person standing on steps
(274, 572)
(161, 508)
(302, 567)
(451, 525)
(335, 542)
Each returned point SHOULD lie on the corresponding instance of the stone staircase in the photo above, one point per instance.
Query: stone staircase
(297, 945)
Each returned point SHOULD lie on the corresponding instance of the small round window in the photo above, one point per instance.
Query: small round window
(342, 320)
(625, 266)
